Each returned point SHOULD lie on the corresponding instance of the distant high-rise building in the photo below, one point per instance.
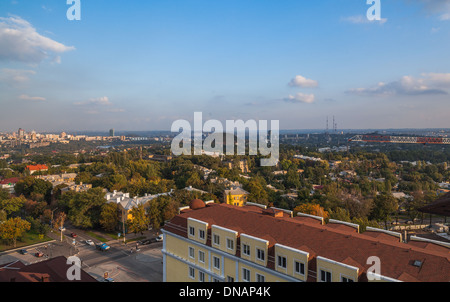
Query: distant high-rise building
(111, 132)
(21, 132)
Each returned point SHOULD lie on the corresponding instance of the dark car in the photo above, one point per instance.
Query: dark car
(23, 252)
(73, 235)
(147, 241)
(39, 254)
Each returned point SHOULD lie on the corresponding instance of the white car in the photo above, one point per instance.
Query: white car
(89, 242)
(62, 229)
(160, 238)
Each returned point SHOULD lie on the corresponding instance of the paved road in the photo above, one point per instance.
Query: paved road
(119, 261)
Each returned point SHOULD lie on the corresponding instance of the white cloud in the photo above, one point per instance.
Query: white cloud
(437, 79)
(14, 76)
(300, 98)
(300, 81)
(116, 110)
(26, 97)
(429, 84)
(360, 19)
(441, 8)
(103, 101)
(21, 42)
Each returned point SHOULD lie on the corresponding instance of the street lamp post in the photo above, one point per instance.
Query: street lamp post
(123, 226)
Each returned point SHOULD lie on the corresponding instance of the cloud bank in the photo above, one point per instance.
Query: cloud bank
(20, 42)
(428, 84)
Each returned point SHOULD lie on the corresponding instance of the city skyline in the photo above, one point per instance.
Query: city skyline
(142, 66)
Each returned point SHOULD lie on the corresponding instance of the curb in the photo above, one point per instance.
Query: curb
(25, 247)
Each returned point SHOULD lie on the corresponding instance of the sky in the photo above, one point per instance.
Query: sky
(142, 65)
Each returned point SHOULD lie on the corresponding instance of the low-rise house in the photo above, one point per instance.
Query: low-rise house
(9, 184)
(127, 203)
(58, 179)
(235, 196)
(76, 188)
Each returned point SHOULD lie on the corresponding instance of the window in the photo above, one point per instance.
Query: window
(191, 231)
(245, 274)
(346, 279)
(260, 278)
(325, 276)
(201, 256)
(191, 273)
(216, 239)
(260, 255)
(281, 261)
(191, 253)
(246, 249)
(299, 268)
(201, 234)
(201, 276)
(216, 262)
(230, 244)
(230, 279)
(216, 280)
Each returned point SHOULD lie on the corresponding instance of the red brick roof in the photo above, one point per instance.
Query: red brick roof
(52, 270)
(9, 181)
(339, 244)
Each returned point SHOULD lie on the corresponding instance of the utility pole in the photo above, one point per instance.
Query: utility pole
(52, 216)
(123, 225)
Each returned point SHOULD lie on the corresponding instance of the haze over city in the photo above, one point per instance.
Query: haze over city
(139, 65)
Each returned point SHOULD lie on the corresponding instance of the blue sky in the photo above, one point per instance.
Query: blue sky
(141, 65)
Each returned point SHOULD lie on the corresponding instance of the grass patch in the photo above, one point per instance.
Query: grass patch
(27, 239)
(97, 236)
(136, 239)
(113, 235)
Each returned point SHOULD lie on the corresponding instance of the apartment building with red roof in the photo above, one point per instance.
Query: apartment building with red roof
(36, 168)
(220, 242)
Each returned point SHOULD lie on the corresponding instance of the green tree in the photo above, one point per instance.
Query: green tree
(14, 228)
(84, 208)
(258, 193)
(12, 205)
(383, 206)
(34, 188)
(139, 221)
(109, 217)
(154, 213)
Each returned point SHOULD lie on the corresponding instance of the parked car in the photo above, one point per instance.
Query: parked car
(144, 242)
(160, 238)
(147, 241)
(23, 251)
(109, 280)
(39, 254)
(89, 242)
(73, 235)
(62, 229)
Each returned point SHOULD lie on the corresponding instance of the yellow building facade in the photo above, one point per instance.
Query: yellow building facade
(236, 196)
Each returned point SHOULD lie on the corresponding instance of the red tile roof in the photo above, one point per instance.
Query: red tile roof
(37, 167)
(52, 270)
(338, 244)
